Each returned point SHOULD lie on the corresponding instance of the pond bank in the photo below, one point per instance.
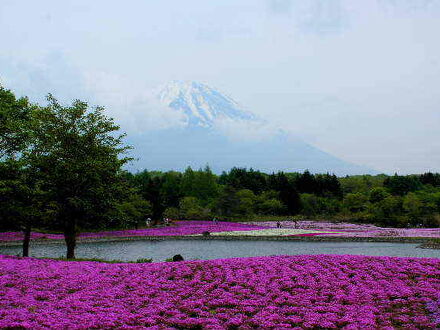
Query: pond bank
(433, 245)
(413, 240)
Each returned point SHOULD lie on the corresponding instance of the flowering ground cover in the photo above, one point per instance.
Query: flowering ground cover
(324, 291)
(18, 236)
(354, 230)
(270, 232)
(179, 228)
(289, 228)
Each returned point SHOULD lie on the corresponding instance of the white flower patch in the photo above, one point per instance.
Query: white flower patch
(267, 232)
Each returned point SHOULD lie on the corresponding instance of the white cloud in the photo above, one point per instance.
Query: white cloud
(247, 130)
(135, 108)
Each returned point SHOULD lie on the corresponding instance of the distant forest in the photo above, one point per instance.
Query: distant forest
(396, 201)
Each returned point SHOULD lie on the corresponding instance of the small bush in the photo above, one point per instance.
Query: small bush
(177, 257)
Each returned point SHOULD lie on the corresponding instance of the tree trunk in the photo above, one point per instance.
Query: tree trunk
(70, 238)
(26, 240)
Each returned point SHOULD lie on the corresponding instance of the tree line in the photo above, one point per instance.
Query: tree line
(239, 194)
(62, 169)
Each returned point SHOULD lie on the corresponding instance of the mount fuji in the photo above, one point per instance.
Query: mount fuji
(215, 130)
(200, 104)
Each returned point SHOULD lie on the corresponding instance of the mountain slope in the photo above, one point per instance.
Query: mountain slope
(176, 149)
(200, 142)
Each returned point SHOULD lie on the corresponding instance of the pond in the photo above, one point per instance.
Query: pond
(218, 249)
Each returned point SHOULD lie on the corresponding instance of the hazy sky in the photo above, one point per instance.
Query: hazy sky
(358, 79)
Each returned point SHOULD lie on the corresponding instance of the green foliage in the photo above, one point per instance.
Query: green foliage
(130, 212)
(170, 193)
(77, 152)
(246, 202)
(378, 194)
(288, 193)
(201, 184)
(14, 121)
(241, 178)
(412, 205)
(172, 213)
(401, 185)
(309, 204)
(388, 212)
(313, 205)
(361, 183)
(190, 208)
(356, 202)
(227, 202)
(271, 207)
(432, 179)
(23, 202)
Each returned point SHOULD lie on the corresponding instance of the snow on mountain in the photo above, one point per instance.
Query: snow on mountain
(201, 104)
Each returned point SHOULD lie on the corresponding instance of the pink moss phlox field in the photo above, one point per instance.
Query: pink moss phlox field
(351, 292)
(356, 230)
(179, 228)
(18, 236)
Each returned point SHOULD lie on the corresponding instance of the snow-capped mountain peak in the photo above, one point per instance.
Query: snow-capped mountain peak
(201, 104)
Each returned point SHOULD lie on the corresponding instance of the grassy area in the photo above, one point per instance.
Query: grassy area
(138, 261)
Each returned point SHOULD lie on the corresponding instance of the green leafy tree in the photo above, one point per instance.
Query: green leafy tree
(21, 195)
(378, 194)
(268, 203)
(15, 116)
(170, 189)
(23, 204)
(288, 194)
(361, 183)
(355, 202)
(432, 179)
(242, 178)
(80, 153)
(130, 212)
(190, 208)
(171, 213)
(401, 185)
(201, 184)
(413, 206)
(227, 202)
(310, 206)
(272, 207)
(388, 212)
(306, 183)
(329, 206)
(246, 203)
